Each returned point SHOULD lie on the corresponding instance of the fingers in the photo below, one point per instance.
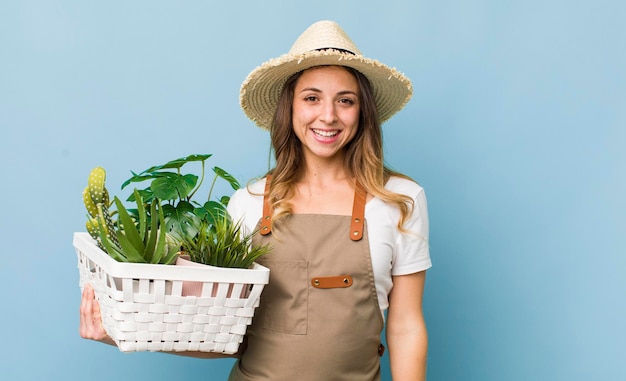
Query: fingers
(90, 326)
(85, 313)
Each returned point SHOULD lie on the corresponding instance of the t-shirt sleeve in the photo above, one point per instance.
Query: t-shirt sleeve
(412, 253)
(246, 207)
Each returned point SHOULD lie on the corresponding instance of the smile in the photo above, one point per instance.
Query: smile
(326, 134)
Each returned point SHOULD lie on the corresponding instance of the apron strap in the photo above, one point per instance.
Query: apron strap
(358, 212)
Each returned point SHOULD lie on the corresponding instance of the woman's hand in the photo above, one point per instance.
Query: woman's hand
(90, 319)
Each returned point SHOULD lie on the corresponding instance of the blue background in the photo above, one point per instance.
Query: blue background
(516, 130)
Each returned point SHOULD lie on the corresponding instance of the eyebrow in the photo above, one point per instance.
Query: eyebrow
(316, 90)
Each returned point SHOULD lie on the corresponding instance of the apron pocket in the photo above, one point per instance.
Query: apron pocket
(284, 302)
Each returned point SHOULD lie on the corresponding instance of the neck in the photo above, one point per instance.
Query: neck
(323, 188)
(321, 172)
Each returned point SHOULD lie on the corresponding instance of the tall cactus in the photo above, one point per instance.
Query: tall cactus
(96, 200)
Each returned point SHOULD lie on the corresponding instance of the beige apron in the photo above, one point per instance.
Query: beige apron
(319, 317)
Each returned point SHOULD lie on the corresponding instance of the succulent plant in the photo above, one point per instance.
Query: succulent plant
(127, 239)
(223, 243)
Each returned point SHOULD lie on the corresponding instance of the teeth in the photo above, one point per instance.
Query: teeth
(326, 134)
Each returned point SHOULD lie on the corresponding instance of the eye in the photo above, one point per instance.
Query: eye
(310, 98)
(347, 101)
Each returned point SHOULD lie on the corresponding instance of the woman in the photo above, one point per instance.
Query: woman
(349, 237)
(333, 272)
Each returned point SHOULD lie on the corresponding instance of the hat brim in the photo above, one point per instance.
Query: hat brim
(261, 90)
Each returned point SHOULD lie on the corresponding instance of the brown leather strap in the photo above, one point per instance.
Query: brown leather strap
(358, 213)
(266, 219)
(356, 223)
(340, 281)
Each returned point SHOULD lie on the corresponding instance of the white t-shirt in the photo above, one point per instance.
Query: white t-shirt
(393, 253)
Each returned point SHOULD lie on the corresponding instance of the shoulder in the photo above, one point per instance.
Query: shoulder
(250, 194)
(405, 186)
(251, 191)
(247, 203)
(419, 210)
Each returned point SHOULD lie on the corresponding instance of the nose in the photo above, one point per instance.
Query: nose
(328, 113)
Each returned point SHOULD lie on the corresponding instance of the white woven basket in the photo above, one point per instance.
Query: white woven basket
(144, 309)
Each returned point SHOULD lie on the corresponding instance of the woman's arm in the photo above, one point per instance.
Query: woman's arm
(406, 329)
(91, 326)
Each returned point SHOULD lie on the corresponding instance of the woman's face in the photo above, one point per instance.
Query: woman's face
(325, 111)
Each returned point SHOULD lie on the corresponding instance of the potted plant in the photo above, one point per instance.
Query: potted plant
(127, 256)
(217, 243)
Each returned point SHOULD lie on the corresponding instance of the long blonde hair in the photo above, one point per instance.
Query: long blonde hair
(364, 153)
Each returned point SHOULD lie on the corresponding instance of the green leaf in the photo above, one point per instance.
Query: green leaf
(146, 195)
(152, 233)
(170, 258)
(113, 250)
(210, 210)
(136, 178)
(173, 187)
(178, 163)
(109, 246)
(142, 215)
(179, 219)
(160, 247)
(128, 226)
(225, 200)
(132, 254)
(227, 176)
(149, 174)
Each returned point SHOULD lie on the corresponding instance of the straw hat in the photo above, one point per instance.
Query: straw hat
(323, 43)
